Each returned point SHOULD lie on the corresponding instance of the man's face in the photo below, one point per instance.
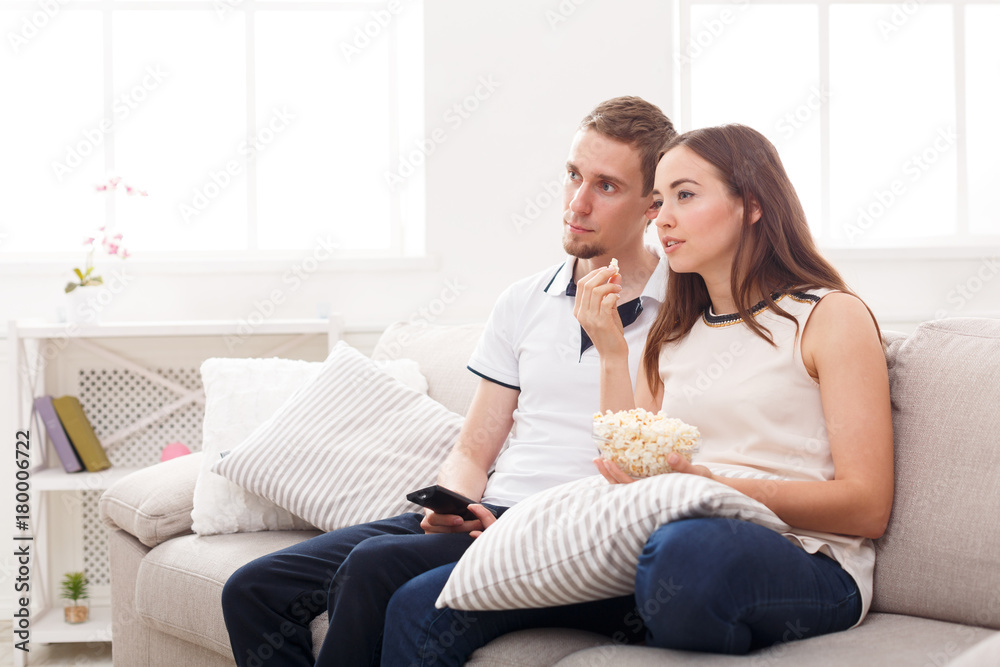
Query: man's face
(603, 206)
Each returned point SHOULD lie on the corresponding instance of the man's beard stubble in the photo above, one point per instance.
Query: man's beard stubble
(581, 250)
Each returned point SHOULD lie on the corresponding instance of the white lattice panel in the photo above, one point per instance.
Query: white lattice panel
(115, 398)
(95, 540)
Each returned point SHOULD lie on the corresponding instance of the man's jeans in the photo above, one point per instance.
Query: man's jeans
(351, 573)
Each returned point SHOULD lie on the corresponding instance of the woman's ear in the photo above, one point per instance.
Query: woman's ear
(755, 211)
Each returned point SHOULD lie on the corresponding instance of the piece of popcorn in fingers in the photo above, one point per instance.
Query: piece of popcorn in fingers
(614, 266)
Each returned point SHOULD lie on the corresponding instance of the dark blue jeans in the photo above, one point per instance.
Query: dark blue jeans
(718, 585)
(351, 573)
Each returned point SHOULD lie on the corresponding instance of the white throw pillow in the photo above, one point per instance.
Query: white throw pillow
(581, 541)
(346, 447)
(240, 395)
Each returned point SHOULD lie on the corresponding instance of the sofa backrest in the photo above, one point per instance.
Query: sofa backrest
(442, 352)
(940, 556)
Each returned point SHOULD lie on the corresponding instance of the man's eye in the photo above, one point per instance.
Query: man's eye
(607, 187)
(572, 175)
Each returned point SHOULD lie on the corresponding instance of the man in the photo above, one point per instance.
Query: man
(539, 385)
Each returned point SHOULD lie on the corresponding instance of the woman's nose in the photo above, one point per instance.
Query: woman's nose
(664, 219)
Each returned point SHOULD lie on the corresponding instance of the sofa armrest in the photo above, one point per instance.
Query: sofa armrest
(154, 504)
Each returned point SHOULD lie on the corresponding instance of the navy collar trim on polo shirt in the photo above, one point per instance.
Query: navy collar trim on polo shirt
(628, 312)
(556, 275)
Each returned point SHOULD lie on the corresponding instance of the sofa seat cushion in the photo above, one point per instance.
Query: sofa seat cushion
(984, 653)
(178, 590)
(883, 639)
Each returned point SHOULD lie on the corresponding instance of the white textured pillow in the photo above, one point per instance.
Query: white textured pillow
(581, 541)
(240, 395)
(346, 447)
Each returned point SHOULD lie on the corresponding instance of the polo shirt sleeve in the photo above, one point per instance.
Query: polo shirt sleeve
(495, 357)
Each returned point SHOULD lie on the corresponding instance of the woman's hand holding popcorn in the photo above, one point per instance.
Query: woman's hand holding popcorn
(611, 472)
(682, 465)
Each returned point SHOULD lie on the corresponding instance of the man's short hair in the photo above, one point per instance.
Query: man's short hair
(636, 122)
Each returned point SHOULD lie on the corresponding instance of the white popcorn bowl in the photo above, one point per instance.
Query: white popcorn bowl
(650, 461)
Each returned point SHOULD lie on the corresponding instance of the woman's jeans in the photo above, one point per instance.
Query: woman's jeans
(718, 585)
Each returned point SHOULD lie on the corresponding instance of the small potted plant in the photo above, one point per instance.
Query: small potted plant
(74, 591)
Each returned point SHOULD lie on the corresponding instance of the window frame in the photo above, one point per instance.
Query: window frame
(407, 235)
(966, 244)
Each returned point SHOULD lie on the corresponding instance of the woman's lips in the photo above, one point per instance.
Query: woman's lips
(670, 244)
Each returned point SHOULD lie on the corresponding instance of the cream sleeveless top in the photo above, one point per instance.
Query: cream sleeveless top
(759, 412)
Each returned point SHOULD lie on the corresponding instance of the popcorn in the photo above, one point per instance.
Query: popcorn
(640, 441)
(614, 266)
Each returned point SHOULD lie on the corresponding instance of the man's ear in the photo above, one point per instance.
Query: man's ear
(651, 210)
(755, 211)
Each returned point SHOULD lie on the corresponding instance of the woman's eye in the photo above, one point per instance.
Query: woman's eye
(658, 204)
(607, 187)
(684, 194)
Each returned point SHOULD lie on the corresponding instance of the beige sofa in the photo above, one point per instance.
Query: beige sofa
(937, 578)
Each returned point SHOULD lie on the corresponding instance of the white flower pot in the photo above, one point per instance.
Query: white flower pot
(82, 306)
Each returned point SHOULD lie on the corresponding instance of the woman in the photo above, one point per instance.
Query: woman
(761, 346)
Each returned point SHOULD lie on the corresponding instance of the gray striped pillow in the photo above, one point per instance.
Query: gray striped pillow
(581, 541)
(346, 447)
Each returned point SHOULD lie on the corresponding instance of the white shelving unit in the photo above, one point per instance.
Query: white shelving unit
(53, 479)
(50, 627)
(33, 348)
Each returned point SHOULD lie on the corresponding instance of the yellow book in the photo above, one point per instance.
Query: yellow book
(81, 433)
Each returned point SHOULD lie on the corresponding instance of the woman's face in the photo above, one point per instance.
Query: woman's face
(699, 218)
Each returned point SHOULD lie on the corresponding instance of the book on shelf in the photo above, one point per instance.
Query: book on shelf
(57, 434)
(81, 433)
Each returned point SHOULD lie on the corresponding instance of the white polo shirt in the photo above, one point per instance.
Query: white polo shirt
(533, 343)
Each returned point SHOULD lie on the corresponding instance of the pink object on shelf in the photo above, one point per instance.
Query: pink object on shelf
(173, 450)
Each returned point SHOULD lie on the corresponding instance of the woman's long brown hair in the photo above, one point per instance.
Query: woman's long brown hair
(774, 255)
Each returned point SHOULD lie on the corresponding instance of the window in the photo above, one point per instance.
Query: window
(257, 127)
(882, 113)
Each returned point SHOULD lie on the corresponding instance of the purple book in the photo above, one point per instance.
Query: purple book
(47, 413)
